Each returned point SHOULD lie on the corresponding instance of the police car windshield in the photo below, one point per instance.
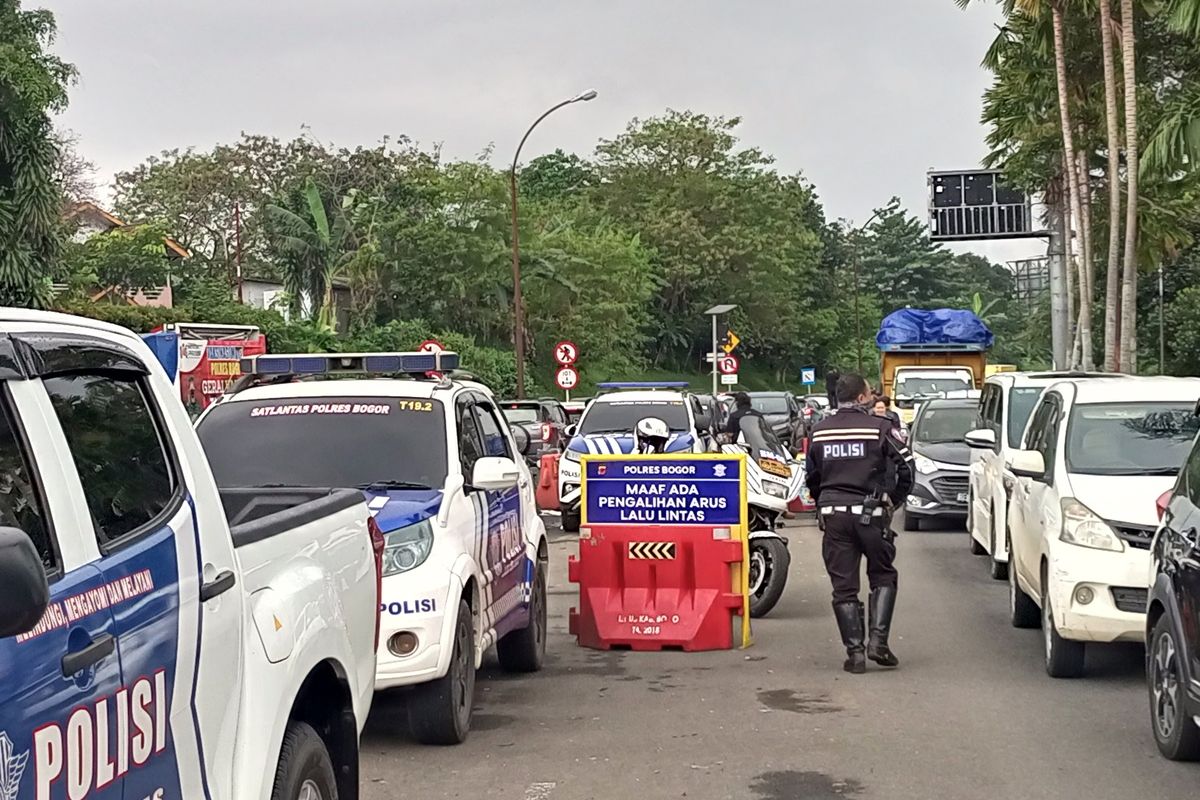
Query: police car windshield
(620, 416)
(1130, 438)
(326, 442)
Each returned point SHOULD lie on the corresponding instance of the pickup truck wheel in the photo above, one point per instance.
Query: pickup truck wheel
(439, 712)
(1064, 658)
(524, 650)
(1175, 732)
(305, 771)
(570, 521)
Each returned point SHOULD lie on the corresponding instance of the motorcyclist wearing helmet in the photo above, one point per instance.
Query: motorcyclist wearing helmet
(741, 408)
(650, 435)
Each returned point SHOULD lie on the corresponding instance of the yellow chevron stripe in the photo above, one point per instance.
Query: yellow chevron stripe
(652, 550)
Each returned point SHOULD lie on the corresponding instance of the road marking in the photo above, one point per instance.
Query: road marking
(539, 791)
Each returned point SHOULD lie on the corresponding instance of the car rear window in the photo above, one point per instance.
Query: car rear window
(517, 414)
(326, 441)
(620, 416)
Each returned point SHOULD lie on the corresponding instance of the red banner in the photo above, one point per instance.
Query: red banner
(208, 366)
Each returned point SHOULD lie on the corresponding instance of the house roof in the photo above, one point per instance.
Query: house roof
(90, 209)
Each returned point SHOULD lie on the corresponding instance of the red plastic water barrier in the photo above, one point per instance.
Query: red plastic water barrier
(547, 488)
(650, 588)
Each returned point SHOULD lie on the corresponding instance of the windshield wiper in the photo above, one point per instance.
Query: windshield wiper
(1150, 471)
(393, 485)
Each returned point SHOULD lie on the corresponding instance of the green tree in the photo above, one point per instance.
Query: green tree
(125, 259)
(33, 84)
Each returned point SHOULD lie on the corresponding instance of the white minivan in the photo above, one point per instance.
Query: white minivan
(1097, 454)
(1006, 403)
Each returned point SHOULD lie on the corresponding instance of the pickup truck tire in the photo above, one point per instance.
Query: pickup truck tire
(439, 712)
(570, 521)
(524, 650)
(305, 771)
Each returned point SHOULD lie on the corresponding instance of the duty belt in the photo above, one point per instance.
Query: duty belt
(878, 512)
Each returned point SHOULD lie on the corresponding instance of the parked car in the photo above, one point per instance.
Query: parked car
(940, 459)
(159, 637)
(1006, 403)
(545, 421)
(782, 413)
(1173, 618)
(575, 409)
(716, 413)
(1097, 454)
(465, 551)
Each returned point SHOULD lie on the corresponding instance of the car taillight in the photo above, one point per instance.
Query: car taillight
(546, 431)
(1162, 502)
(377, 545)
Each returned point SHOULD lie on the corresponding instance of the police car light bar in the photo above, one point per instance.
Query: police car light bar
(644, 385)
(412, 363)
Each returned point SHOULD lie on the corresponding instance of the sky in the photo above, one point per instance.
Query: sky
(861, 96)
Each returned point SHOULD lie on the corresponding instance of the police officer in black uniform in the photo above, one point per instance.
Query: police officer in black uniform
(742, 407)
(857, 470)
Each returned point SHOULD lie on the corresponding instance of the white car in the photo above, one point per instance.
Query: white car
(1097, 456)
(158, 638)
(607, 428)
(1005, 406)
(464, 565)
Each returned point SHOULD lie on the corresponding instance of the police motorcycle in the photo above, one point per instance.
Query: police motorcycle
(773, 479)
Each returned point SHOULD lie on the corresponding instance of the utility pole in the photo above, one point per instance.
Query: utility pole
(1059, 335)
(237, 256)
(1162, 342)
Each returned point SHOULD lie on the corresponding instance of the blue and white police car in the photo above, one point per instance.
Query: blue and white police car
(464, 566)
(607, 425)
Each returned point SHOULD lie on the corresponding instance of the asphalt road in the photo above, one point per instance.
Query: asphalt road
(969, 714)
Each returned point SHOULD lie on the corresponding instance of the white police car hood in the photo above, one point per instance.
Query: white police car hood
(612, 444)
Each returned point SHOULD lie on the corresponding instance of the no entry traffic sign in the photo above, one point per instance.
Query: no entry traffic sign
(727, 365)
(566, 353)
(431, 346)
(566, 378)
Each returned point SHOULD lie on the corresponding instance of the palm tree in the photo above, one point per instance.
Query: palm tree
(1127, 360)
(1113, 276)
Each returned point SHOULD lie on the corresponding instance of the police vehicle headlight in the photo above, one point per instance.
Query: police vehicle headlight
(407, 548)
(1081, 526)
(571, 455)
(925, 466)
(775, 489)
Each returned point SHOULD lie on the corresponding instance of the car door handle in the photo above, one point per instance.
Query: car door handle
(217, 586)
(101, 646)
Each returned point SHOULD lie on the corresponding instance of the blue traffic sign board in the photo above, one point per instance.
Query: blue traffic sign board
(649, 490)
(808, 375)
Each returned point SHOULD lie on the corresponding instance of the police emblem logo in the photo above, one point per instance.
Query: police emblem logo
(719, 470)
(896, 434)
(601, 469)
(12, 767)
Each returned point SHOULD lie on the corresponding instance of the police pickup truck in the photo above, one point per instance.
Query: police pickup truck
(160, 639)
(464, 565)
(607, 425)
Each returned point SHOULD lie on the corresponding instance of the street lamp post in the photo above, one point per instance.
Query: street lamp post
(518, 300)
(857, 318)
(715, 312)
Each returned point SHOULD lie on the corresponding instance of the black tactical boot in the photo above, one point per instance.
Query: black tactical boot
(883, 602)
(850, 624)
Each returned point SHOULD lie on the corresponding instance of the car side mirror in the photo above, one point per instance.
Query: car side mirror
(571, 430)
(981, 438)
(521, 439)
(24, 591)
(1028, 464)
(495, 473)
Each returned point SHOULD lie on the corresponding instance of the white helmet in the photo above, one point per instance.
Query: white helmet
(651, 435)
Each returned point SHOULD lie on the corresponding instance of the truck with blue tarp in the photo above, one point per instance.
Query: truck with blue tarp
(926, 353)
